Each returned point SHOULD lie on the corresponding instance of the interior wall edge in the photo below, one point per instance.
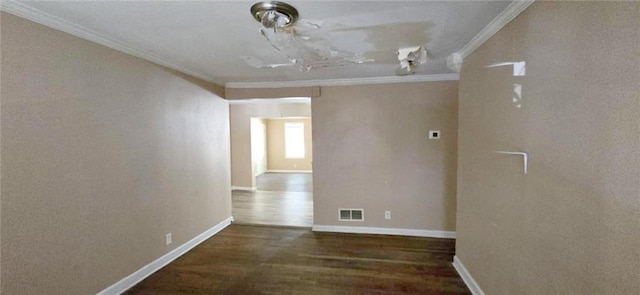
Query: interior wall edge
(507, 15)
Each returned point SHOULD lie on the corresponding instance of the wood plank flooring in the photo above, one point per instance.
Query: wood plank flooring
(282, 199)
(285, 182)
(244, 259)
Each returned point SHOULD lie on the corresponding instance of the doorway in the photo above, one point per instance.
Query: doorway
(281, 151)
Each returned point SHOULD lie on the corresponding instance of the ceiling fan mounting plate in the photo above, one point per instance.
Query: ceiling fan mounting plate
(259, 9)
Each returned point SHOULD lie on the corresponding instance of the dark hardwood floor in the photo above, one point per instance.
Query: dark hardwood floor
(245, 259)
(281, 199)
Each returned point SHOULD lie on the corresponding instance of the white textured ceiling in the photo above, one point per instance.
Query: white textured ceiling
(210, 37)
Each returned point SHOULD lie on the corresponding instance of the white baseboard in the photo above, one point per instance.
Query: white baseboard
(136, 277)
(466, 277)
(385, 231)
(244, 188)
(289, 171)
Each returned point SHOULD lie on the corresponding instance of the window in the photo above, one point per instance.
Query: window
(294, 140)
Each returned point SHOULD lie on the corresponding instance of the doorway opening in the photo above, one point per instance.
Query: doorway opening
(281, 160)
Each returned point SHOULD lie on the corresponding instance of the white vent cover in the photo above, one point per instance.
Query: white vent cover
(351, 214)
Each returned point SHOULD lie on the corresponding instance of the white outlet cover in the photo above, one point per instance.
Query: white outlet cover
(168, 239)
(434, 134)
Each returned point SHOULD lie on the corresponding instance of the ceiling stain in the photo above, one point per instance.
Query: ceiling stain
(309, 43)
(386, 39)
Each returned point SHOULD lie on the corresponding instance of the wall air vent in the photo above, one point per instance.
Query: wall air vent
(351, 214)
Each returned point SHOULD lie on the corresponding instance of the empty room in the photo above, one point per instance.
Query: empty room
(319, 147)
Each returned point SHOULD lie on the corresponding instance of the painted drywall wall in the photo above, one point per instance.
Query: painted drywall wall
(372, 151)
(1, 153)
(242, 174)
(259, 145)
(103, 154)
(276, 150)
(571, 225)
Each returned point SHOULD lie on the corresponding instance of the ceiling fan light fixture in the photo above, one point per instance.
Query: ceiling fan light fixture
(274, 14)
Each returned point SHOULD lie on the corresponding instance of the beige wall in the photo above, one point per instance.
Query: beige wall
(1, 93)
(276, 159)
(371, 151)
(103, 153)
(259, 145)
(242, 174)
(572, 224)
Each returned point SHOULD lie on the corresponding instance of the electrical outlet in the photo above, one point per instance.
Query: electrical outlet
(168, 239)
(387, 214)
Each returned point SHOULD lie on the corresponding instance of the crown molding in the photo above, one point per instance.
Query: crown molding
(21, 9)
(345, 82)
(305, 100)
(507, 15)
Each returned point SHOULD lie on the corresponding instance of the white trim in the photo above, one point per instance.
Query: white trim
(136, 277)
(454, 62)
(244, 188)
(23, 10)
(345, 82)
(508, 14)
(305, 100)
(385, 231)
(466, 277)
(289, 171)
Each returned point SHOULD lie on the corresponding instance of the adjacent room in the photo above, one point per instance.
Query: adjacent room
(319, 147)
(280, 148)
